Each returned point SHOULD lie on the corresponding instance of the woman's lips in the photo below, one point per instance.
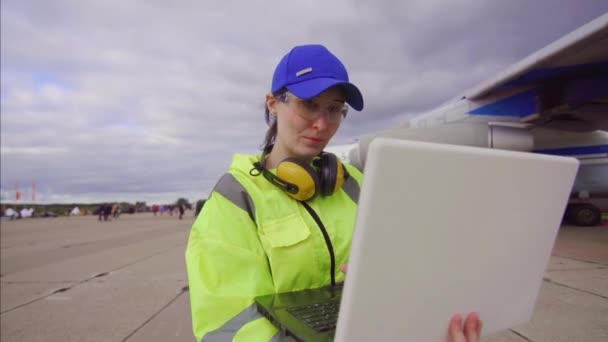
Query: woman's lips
(314, 141)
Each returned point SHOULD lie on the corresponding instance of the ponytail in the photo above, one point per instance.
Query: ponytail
(271, 120)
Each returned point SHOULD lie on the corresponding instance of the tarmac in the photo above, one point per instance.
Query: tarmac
(78, 279)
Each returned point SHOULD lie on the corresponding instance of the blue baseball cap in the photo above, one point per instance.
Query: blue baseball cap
(308, 70)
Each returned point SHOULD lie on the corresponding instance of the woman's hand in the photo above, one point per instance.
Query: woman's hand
(472, 325)
(470, 332)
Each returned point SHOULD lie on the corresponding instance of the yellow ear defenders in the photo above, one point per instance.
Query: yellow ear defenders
(301, 181)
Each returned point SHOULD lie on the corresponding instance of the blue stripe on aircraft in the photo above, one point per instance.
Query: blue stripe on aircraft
(583, 80)
(519, 105)
(572, 151)
(541, 74)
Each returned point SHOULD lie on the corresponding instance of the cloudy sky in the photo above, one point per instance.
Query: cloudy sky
(146, 100)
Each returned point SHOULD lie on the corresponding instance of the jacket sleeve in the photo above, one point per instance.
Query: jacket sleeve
(227, 267)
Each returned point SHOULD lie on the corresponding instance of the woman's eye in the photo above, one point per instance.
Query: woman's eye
(310, 105)
(334, 109)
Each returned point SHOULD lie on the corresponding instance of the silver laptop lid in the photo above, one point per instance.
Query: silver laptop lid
(445, 229)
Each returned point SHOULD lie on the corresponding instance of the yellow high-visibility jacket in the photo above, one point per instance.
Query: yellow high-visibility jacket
(252, 239)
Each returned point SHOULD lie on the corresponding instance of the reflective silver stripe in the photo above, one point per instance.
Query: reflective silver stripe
(227, 331)
(230, 188)
(351, 187)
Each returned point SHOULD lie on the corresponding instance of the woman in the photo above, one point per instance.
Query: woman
(282, 221)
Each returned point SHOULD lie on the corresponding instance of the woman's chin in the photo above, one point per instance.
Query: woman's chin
(309, 153)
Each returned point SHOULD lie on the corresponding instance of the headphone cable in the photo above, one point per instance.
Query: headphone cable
(330, 248)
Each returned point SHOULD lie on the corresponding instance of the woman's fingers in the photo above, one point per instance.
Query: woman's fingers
(455, 329)
(472, 327)
(343, 268)
(471, 331)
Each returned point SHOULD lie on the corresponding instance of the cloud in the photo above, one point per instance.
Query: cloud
(146, 100)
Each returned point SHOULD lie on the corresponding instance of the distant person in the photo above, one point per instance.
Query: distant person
(154, 209)
(180, 207)
(107, 211)
(101, 210)
(115, 210)
(282, 220)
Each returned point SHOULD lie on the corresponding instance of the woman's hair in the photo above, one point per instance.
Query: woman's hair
(271, 133)
(271, 120)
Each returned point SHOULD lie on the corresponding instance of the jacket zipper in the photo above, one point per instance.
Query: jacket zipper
(330, 248)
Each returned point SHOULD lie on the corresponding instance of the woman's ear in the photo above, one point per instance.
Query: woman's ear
(271, 104)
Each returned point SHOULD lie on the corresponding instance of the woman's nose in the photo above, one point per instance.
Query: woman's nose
(322, 121)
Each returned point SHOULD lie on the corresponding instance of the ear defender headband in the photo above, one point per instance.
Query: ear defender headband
(301, 181)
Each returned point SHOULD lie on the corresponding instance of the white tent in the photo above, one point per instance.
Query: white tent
(26, 212)
(9, 212)
(75, 212)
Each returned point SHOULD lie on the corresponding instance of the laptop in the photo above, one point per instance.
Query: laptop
(440, 230)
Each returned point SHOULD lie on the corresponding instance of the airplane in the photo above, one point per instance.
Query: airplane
(554, 101)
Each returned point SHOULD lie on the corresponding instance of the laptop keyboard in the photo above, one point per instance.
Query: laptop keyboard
(321, 317)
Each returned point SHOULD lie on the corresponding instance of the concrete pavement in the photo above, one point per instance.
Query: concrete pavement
(78, 279)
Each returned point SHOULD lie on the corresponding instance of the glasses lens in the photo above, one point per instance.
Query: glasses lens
(311, 110)
(336, 112)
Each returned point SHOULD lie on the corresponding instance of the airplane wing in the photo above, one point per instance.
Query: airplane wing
(562, 86)
(555, 101)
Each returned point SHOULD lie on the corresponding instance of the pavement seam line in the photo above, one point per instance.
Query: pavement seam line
(183, 290)
(580, 260)
(577, 269)
(105, 240)
(142, 259)
(26, 303)
(520, 335)
(549, 280)
(38, 282)
(76, 283)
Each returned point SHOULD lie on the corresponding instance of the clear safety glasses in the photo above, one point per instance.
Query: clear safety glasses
(311, 109)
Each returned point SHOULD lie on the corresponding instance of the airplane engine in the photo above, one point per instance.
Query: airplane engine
(510, 138)
(469, 134)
